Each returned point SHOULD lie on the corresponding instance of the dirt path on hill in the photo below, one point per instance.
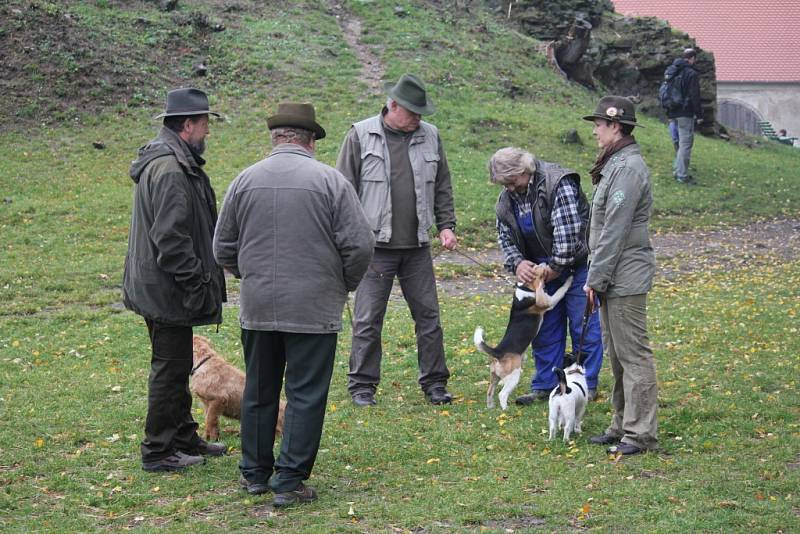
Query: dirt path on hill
(372, 69)
(751, 246)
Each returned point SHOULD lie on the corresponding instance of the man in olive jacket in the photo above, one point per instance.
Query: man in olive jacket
(171, 278)
(621, 273)
(292, 229)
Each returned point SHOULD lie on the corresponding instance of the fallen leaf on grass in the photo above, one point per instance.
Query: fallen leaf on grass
(39, 443)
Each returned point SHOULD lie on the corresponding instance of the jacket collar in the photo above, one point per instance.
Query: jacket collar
(291, 148)
(621, 155)
(181, 150)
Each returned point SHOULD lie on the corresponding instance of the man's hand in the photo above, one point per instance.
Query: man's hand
(550, 274)
(448, 239)
(525, 271)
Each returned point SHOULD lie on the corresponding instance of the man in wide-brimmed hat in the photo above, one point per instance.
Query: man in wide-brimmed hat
(171, 278)
(398, 166)
(292, 229)
(621, 272)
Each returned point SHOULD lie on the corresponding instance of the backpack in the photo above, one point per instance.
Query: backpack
(670, 94)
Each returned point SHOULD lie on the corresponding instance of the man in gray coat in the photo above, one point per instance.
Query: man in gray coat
(292, 229)
(621, 272)
(171, 278)
(397, 165)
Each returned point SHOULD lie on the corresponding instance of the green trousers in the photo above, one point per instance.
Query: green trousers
(635, 394)
(306, 360)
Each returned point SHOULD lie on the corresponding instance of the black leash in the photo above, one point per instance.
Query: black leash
(196, 367)
(587, 312)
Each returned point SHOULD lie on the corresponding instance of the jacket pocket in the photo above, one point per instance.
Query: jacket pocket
(430, 169)
(373, 188)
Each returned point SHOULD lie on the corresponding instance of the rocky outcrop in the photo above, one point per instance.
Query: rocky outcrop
(629, 56)
(625, 55)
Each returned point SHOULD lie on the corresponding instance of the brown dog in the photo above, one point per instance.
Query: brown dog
(219, 386)
(527, 310)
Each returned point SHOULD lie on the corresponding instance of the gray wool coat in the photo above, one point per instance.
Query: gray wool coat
(623, 262)
(293, 230)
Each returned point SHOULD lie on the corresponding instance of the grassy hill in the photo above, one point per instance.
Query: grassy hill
(73, 367)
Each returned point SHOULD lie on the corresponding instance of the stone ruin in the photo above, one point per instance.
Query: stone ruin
(589, 43)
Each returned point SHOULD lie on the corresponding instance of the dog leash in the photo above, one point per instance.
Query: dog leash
(587, 312)
(196, 367)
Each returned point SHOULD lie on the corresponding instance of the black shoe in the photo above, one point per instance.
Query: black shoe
(592, 396)
(604, 439)
(438, 395)
(624, 449)
(364, 398)
(533, 396)
(300, 494)
(174, 462)
(253, 488)
(204, 448)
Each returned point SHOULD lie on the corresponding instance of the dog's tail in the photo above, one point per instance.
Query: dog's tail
(482, 346)
(562, 380)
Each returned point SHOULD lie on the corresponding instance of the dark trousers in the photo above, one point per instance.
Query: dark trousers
(307, 360)
(169, 425)
(414, 270)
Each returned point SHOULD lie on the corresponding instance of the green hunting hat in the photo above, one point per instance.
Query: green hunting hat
(409, 92)
(615, 108)
(186, 101)
(296, 115)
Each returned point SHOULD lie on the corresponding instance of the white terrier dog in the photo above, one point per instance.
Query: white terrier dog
(568, 399)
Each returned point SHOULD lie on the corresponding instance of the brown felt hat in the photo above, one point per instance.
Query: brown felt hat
(186, 101)
(409, 92)
(616, 109)
(298, 116)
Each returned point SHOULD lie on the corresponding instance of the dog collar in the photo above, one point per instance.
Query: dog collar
(196, 367)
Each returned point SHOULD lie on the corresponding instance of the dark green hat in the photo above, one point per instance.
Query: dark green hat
(616, 109)
(409, 92)
(186, 101)
(298, 116)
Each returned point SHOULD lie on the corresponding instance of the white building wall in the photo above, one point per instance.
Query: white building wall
(778, 103)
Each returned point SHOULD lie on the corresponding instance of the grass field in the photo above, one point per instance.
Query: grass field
(73, 365)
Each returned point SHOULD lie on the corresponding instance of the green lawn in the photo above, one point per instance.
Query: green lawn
(73, 366)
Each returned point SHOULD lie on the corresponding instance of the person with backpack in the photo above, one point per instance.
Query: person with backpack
(680, 97)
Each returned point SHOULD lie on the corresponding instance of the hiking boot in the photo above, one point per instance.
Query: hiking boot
(364, 398)
(174, 462)
(438, 395)
(300, 494)
(204, 448)
(533, 396)
(253, 488)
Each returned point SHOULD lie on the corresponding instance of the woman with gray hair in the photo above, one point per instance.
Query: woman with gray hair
(542, 217)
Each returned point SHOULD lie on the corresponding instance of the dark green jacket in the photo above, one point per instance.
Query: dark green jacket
(170, 272)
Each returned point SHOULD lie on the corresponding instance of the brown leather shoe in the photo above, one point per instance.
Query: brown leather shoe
(300, 494)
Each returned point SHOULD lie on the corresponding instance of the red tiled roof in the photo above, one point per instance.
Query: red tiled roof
(752, 40)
